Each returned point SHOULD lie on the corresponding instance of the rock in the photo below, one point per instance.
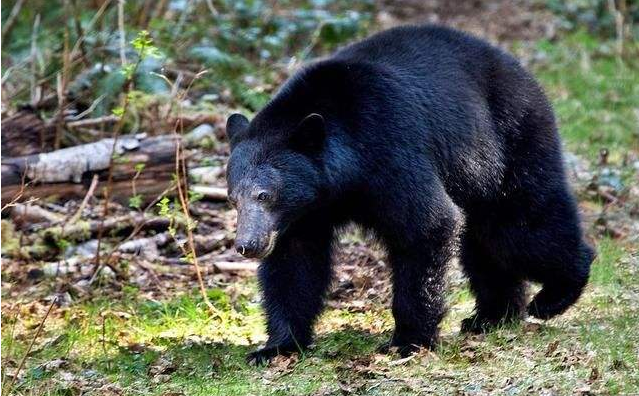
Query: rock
(86, 249)
(198, 134)
(54, 365)
(60, 268)
(107, 272)
(611, 177)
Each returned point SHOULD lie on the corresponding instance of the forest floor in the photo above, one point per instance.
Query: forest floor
(145, 329)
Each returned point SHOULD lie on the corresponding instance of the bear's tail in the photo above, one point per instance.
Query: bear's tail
(559, 293)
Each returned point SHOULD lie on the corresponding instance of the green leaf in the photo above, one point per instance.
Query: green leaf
(135, 201)
(165, 210)
(118, 111)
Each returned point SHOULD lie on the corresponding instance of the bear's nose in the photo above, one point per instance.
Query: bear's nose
(247, 248)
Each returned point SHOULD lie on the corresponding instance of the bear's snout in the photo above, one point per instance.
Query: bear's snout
(248, 248)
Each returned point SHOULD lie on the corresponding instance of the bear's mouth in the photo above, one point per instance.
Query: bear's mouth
(272, 239)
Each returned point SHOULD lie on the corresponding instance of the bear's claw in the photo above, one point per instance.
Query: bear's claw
(264, 355)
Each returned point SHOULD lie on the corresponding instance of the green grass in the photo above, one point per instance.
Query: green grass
(594, 92)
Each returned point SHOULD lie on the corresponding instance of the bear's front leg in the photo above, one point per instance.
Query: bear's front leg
(418, 306)
(294, 280)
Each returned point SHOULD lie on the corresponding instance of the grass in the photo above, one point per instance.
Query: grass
(133, 345)
(595, 94)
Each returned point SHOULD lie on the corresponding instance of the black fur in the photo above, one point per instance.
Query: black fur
(430, 138)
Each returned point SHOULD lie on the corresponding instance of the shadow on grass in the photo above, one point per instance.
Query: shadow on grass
(199, 364)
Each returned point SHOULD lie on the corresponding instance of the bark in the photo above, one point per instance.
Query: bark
(25, 133)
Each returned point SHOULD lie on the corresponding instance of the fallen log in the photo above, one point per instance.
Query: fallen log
(143, 166)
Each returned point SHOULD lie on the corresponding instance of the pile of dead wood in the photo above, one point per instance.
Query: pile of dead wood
(141, 165)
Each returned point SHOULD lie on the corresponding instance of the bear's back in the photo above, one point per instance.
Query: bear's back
(434, 51)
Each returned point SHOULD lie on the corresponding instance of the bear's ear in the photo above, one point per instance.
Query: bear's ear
(309, 135)
(235, 126)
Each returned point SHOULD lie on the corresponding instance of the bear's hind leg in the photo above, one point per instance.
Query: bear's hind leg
(542, 241)
(562, 286)
(500, 294)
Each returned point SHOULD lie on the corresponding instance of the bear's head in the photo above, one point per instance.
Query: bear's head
(274, 176)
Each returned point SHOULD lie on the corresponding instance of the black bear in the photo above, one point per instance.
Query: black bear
(436, 142)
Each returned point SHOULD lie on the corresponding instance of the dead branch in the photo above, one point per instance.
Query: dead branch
(214, 193)
(236, 266)
(22, 213)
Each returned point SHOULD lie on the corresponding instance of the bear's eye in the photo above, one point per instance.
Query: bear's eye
(263, 196)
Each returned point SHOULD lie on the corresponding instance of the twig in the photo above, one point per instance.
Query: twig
(181, 176)
(89, 110)
(93, 121)
(134, 232)
(182, 182)
(11, 20)
(214, 12)
(19, 194)
(121, 30)
(33, 340)
(78, 213)
(136, 229)
(109, 185)
(315, 39)
(34, 57)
